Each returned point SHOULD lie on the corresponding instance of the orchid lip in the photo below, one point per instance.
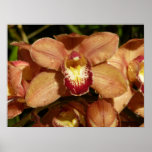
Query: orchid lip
(141, 72)
(77, 74)
(141, 76)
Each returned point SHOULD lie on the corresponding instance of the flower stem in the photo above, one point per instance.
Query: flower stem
(23, 121)
(74, 29)
(38, 31)
(23, 34)
(28, 117)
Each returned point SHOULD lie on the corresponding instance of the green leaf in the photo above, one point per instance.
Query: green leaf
(13, 54)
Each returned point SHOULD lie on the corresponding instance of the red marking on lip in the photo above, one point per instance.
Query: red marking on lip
(81, 88)
(77, 74)
(73, 55)
(140, 58)
(142, 88)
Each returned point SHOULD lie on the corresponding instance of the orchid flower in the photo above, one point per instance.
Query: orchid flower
(68, 114)
(71, 114)
(20, 73)
(17, 86)
(73, 62)
(129, 59)
(100, 113)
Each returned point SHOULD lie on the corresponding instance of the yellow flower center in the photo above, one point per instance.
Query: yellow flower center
(78, 76)
(67, 119)
(141, 72)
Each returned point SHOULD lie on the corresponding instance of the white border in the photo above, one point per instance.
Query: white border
(75, 12)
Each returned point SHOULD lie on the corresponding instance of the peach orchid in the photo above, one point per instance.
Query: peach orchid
(73, 62)
(20, 73)
(129, 59)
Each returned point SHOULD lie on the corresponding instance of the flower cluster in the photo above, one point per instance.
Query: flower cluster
(68, 66)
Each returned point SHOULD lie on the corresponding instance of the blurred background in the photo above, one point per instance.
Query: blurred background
(30, 33)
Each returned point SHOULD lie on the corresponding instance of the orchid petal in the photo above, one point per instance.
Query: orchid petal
(99, 47)
(121, 101)
(133, 48)
(136, 104)
(10, 92)
(135, 73)
(24, 55)
(108, 81)
(48, 53)
(101, 114)
(19, 64)
(25, 85)
(79, 106)
(142, 125)
(15, 79)
(70, 41)
(66, 118)
(15, 108)
(121, 59)
(53, 112)
(44, 89)
(126, 53)
(23, 45)
(25, 68)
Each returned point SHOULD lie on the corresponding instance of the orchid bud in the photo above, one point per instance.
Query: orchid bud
(101, 114)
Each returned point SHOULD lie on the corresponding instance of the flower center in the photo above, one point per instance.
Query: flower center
(66, 119)
(77, 74)
(136, 73)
